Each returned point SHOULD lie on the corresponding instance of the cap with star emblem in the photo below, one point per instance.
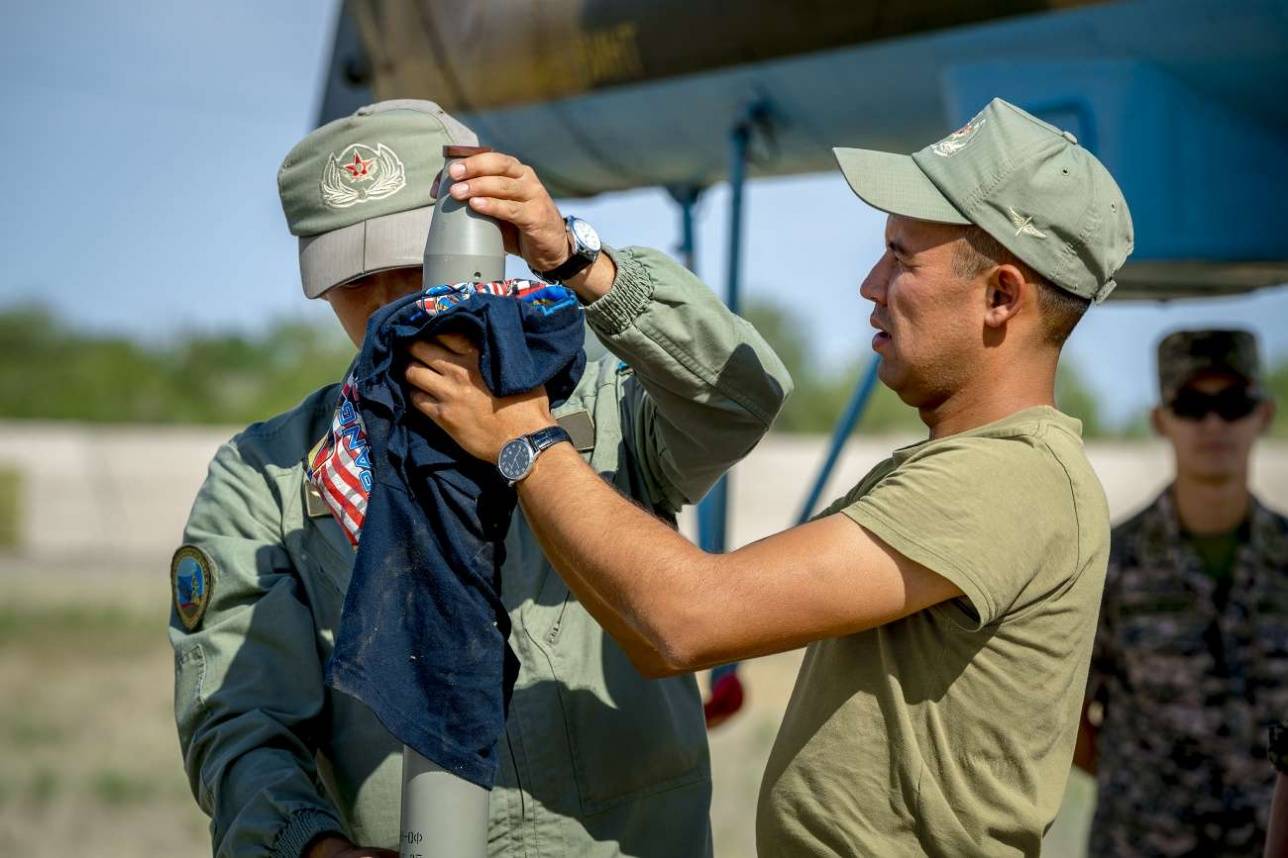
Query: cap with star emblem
(1023, 181)
(357, 190)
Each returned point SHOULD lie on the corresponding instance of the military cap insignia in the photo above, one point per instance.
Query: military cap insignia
(360, 173)
(191, 581)
(1024, 225)
(955, 142)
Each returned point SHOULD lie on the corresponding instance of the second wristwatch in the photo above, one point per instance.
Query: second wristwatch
(585, 250)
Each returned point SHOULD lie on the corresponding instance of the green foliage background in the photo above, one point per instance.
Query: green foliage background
(50, 371)
(822, 391)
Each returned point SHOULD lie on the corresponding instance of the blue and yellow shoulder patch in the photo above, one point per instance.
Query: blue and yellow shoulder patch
(191, 580)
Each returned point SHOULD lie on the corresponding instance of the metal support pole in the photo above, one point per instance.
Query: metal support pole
(853, 411)
(713, 511)
(710, 534)
(686, 197)
(844, 427)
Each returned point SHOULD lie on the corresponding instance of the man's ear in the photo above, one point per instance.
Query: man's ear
(1156, 419)
(1005, 292)
(1267, 411)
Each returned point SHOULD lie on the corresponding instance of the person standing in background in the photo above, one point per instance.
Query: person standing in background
(1190, 665)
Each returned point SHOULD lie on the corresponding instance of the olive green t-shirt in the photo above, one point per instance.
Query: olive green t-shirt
(950, 732)
(1217, 553)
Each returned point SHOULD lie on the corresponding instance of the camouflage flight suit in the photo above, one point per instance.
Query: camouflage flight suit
(1190, 673)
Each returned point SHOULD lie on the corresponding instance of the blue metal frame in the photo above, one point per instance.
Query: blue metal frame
(686, 197)
(853, 414)
(713, 511)
(844, 427)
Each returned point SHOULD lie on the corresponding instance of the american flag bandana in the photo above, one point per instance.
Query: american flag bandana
(339, 466)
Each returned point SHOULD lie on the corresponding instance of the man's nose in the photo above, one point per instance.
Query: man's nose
(1212, 423)
(873, 286)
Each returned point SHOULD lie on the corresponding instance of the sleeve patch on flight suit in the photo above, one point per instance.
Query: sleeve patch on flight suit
(192, 583)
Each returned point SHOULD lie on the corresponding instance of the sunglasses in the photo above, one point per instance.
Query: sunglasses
(1231, 404)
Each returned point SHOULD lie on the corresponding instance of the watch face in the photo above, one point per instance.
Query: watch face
(515, 459)
(586, 235)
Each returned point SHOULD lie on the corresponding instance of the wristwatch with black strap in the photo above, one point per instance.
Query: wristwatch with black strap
(585, 250)
(519, 455)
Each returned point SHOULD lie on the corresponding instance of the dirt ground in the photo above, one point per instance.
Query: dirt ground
(91, 763)
(88, 742)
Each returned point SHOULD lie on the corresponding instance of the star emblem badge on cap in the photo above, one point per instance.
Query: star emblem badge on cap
(360, 173)
(358, 169)
(955, 142)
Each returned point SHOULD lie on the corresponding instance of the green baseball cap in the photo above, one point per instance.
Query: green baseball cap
(1023, 181)
(356, 190)
(1184, 355)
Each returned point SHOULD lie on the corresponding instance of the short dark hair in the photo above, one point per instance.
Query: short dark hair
(1060, 310)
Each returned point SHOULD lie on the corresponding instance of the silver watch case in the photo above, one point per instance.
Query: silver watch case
(585, 240)
(516, 459)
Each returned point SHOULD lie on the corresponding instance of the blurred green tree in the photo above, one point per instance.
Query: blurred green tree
(822, 389)
(1074, 398)
(1277, 387)
(51, 372)
(823, 392)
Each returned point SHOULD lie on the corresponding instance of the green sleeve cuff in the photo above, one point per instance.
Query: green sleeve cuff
(632, 291)
(301, 829)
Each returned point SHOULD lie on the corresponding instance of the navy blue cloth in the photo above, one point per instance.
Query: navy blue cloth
(423, 633)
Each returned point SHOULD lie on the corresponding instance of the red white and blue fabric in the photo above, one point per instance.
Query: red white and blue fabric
(538, 292)
(339, 466)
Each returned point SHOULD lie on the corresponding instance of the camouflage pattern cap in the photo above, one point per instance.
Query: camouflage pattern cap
(1023, 181)
(357, 190)
(1183, 355)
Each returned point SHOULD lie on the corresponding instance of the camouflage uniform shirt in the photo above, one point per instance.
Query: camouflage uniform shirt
(1190, 672)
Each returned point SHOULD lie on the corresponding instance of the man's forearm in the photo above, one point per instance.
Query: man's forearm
(610, 618)
(596, 281)
(672, 606)
(676, 608)
(632, 575)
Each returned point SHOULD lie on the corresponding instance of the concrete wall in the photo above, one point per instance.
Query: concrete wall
(770, 485)
(120, 495)
(93, 492)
